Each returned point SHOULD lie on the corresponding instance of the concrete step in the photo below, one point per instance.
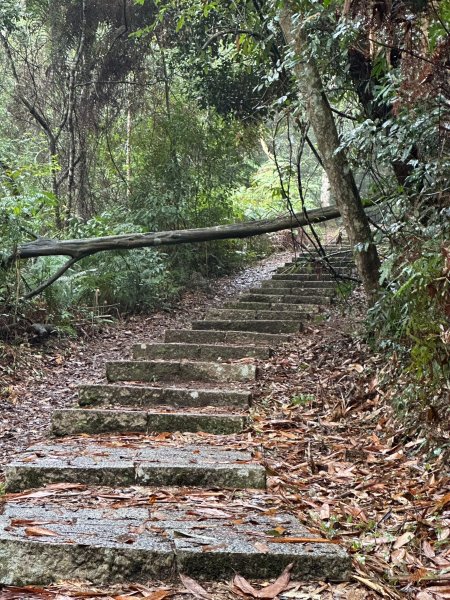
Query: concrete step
(301, 309)
(92, 420)
(224, 314)
(171, 370)
(306, 296)
(203, 352)
(225, 337)
(298, 287)
(118, 462)
(249, 325)
(148, 397)
(329, 284)
(110, 543)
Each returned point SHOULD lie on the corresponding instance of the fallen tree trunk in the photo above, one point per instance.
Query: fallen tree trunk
(77, 249)
(80, 248)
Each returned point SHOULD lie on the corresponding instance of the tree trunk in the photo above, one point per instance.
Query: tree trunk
(341, 178)
(79, 248)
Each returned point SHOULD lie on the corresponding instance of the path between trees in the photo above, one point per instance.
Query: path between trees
(329, 445)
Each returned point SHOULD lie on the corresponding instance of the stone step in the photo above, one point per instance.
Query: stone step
(318, 271)
(305, 296)
(329, 284)
(303, 310)
(309, 276)
(226, 337)
(249, 325)
(287, 299)
(91, 420)
(205, 352)
(335, 262)
(147, 397)
(291, 290)
(117, 462)
(172, 370)
(112, 543)
(224, 314)
(298, 287)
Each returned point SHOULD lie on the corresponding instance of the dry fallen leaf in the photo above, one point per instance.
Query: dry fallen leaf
(195, 588)
(39, 531)
(266, 593)
(403, 539)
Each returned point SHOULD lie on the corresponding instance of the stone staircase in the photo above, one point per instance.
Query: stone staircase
(113, 497)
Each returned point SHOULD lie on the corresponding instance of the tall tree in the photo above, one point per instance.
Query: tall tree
(320, 116)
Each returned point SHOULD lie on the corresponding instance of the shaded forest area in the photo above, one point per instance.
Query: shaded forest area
(142, 117)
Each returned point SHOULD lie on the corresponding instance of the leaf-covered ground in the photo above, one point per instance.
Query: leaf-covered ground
(338, 459)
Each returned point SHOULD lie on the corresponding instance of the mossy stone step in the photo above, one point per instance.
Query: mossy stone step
(277, 298)
(223, 314)
(301, 309)
(306, 283)
(147, 397)
(108, 544)
(306, 276)
(298, 287)
(205, 352)
(249, 325)
(318, 271)
(293, 290)
(165, 370)
(93, 421)
(192, 336)
(335, 262)
(135, 461)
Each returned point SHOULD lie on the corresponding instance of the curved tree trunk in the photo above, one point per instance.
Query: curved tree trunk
(341, 178)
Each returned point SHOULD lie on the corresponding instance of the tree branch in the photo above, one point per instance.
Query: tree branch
(52, 279)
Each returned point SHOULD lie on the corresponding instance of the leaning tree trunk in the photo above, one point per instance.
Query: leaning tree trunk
(341, 178)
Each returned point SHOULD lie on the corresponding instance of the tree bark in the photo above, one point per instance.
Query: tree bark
(341, 178)
(79, 248)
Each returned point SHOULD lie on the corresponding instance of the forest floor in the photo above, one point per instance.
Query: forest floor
(336, 454)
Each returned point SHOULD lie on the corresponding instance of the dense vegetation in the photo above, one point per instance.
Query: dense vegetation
(148, 116)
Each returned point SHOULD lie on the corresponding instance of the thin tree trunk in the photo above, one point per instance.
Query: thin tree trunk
(341, 178)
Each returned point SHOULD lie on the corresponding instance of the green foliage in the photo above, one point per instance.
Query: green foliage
(302, 399)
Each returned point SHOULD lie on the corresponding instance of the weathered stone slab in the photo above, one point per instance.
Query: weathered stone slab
(335, 262)
(75, 421)
(303, 309)
(258, 295)
(236, 550)
(318, 270)
(228, 337)
(200, 352)
(249, 325)
(87, 545)
(152, 370)
(306, 294)
(111, 544)
(97, 462)
(223, 314)
(307, 284)
(298, 287)
(127, 395)
(304, 276)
